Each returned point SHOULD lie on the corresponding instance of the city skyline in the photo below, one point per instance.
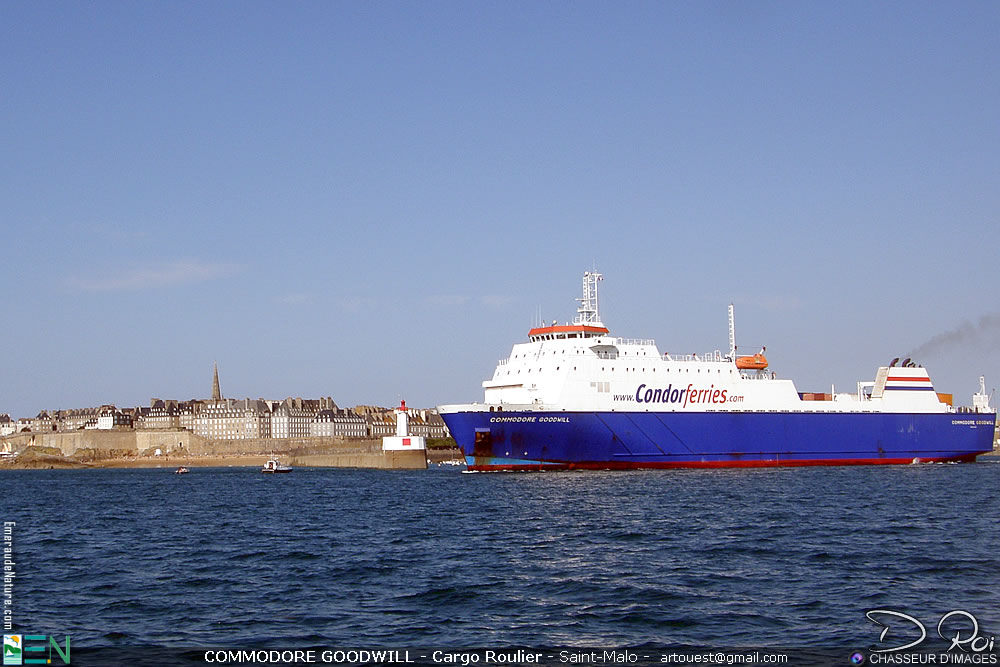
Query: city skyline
(216, 395)
(375, 201)
(227, 418)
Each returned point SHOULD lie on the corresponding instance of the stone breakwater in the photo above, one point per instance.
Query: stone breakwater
(183, 447)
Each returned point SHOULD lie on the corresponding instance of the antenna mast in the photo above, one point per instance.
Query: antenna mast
(980, 400)
(732, 333)
(588, 313)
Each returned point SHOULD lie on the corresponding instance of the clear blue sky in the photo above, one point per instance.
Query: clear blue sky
(372, 200)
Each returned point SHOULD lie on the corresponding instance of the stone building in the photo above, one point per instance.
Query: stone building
(160, 414)
(111, 417)
(229, 419)
(338, 423)
(292, 418)
(74, 420)
(187, 413)
(427, 423)
(7, 425)
(382, 421)
(42, 422)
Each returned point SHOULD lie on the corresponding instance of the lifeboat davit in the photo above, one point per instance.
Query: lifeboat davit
(756, 362)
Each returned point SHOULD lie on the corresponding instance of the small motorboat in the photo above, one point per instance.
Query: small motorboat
(181, 471)
(274, 465)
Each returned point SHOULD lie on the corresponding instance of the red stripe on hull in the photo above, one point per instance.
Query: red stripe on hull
(651, 465)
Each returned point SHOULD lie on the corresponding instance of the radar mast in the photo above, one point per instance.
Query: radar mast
(587, 313)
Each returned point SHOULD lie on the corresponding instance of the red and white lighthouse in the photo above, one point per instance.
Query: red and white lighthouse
(403, 441)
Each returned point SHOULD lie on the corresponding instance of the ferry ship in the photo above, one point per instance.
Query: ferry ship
(575, 397)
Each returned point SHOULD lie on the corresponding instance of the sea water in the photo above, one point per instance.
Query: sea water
(362, 558)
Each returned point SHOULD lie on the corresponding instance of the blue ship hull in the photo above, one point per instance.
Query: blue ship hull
(493, 441)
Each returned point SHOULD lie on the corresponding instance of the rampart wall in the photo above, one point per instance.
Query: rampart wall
(126, 443)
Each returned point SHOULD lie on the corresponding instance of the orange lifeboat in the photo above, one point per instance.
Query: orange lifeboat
(755, 362)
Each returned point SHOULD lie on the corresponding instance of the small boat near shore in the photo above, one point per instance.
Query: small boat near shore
(275, 466)
(181, 471)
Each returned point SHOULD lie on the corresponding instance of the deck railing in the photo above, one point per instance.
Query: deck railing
(707, 356)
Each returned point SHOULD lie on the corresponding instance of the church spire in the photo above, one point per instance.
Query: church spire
(216, 391)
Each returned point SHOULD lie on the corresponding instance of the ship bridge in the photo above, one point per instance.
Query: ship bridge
(562, 332)
(586, 324)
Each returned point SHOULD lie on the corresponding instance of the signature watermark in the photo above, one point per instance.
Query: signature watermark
(902, 640)
(958, 627)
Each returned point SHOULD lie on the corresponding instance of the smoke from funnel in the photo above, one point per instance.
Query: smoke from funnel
(986, 331)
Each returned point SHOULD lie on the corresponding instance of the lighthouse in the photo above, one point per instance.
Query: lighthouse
(403, 441)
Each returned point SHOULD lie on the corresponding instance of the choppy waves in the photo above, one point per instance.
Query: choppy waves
(350, 557)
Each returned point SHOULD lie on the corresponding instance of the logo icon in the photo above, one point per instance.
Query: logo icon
(857, 658)
(12, 649)
(34, 654)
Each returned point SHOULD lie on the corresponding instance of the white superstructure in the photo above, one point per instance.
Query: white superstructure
(581, 367)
